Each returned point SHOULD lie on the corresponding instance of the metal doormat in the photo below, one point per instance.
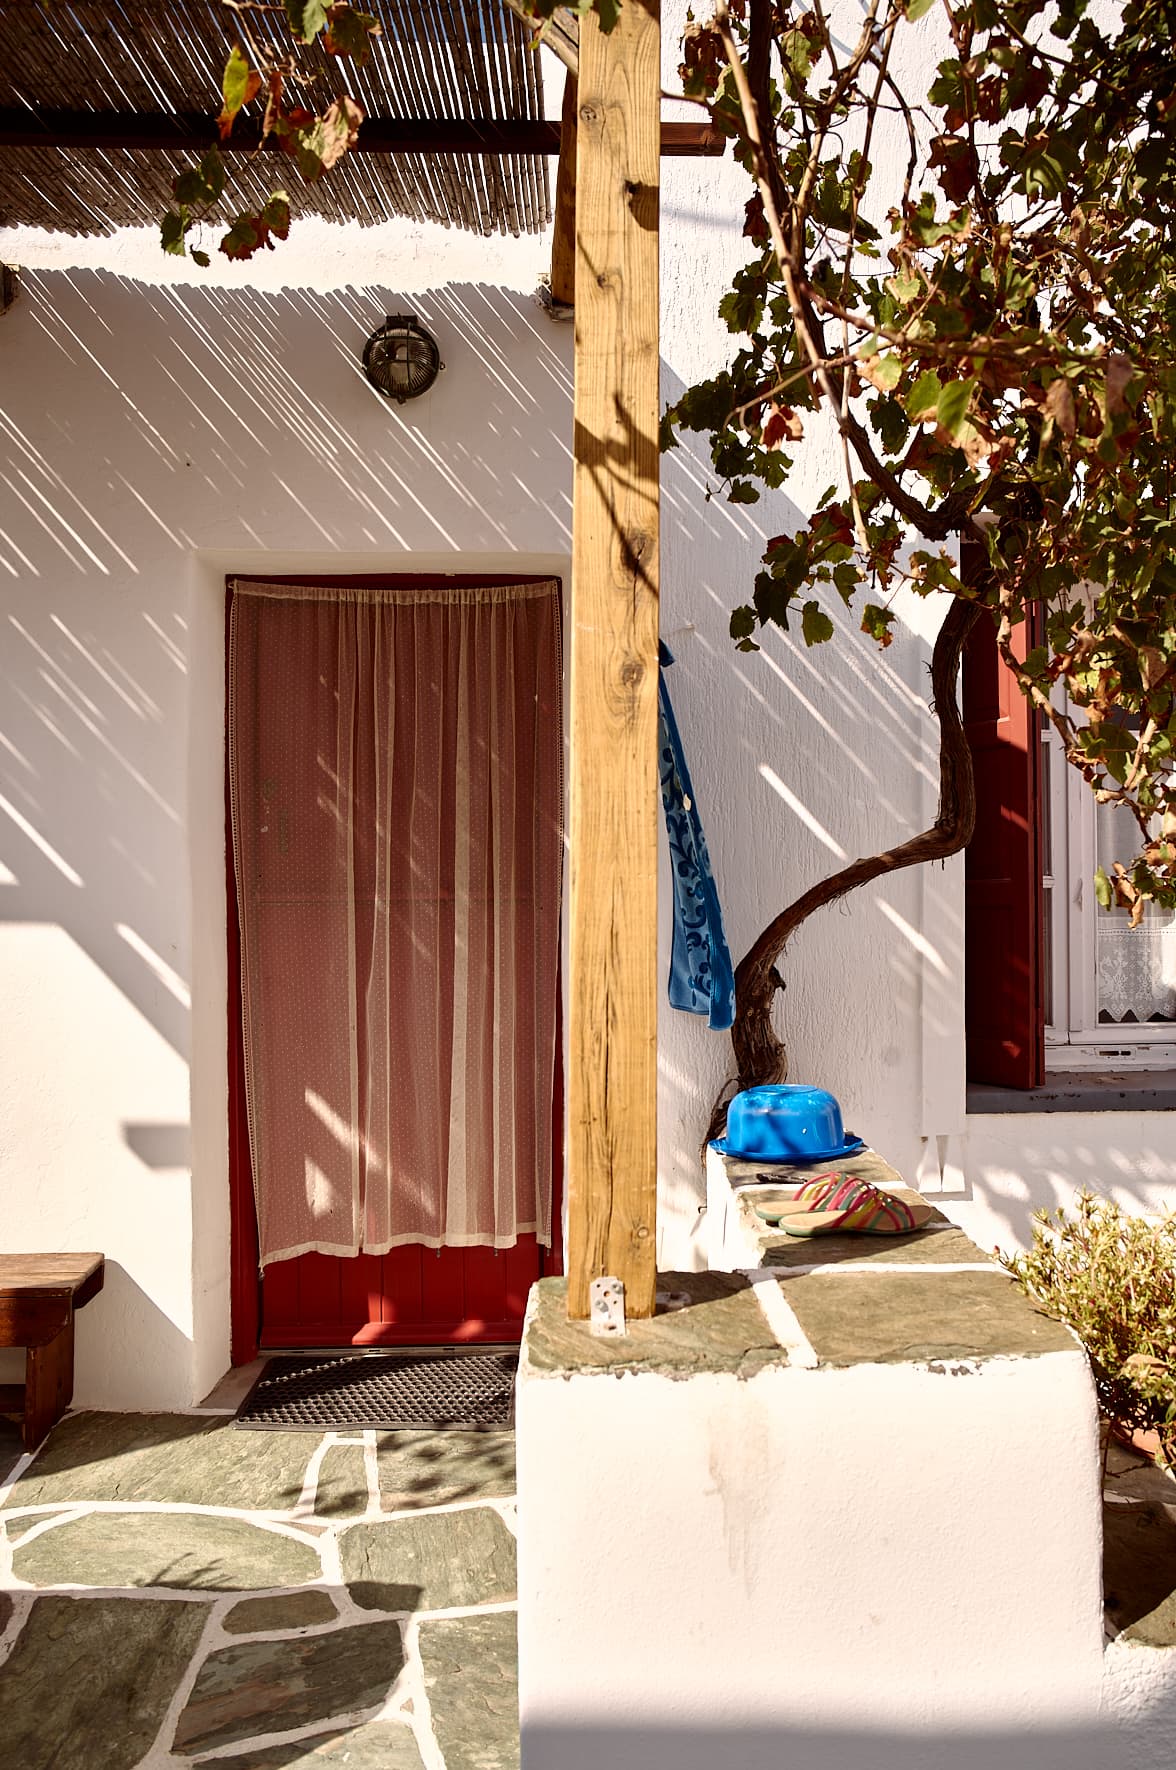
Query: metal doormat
(428, 1389)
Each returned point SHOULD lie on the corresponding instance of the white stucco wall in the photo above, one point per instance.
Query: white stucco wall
(749, 1569)
(158, 431)
(155, 439)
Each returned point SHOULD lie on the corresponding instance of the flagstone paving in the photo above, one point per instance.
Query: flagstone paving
(471, 1677)
(382, 1746)
(172, 1587)
(277, 1686)
(87, 1685)
(182, 1550)
(289, 1610)
(416, 1469)
(181, 1459)
(446, 1560)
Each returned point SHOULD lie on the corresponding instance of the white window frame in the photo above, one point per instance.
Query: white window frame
(1074, 1038)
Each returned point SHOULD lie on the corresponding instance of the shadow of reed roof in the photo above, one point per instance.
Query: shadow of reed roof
(76, 77)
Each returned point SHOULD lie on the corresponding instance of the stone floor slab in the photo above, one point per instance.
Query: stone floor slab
(185, 1551)
(342, 1490)
(291, 1610)
(261, 1687)
(720, 1327)
(471, 1679)
(903, 1317)
(16, 1528)
(88, 1682)
(439, 1561)
(1131, 1475)
(1139, 1571)
(436, 1468)
(181, 1459)
(381, 1745)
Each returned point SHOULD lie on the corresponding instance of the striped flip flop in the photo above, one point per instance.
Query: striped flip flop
(811, 1196)
(857, 1208)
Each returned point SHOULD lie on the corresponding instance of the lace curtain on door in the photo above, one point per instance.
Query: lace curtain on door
(394, 769)
(1136, 966)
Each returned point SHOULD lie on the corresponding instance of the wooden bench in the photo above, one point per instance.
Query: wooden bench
(39, 1294)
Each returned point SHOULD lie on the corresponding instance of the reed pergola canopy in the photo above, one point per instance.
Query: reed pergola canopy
(102, 106)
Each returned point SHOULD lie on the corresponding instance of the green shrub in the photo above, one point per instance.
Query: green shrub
(1112, 1278)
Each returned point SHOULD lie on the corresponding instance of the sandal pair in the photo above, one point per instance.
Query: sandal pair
(847, 1204)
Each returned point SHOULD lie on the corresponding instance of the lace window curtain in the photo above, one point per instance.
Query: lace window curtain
(1136, 966)
(394, 771)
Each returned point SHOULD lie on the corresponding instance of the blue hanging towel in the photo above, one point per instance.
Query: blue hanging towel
(701, 978)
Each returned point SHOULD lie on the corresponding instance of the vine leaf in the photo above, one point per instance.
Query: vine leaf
(240, 84)
(249, 233)
(318, 143)
(951, 409)
(815, 624)
(350, 33)
(923, 399)
(306, 19)
(877, 622)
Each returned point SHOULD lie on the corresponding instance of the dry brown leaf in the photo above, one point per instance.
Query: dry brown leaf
(1120, 369)
(1059, 405)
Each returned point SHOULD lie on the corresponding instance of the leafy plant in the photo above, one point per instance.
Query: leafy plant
(1112, 1278)
(258, 69)
(974, 285)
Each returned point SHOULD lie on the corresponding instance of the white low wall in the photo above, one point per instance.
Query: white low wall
(1139, 1698)
(779, 1560)
(1136, 1694)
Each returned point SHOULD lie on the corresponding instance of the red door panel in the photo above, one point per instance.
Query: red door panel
(416, 1296)
(412, 1295)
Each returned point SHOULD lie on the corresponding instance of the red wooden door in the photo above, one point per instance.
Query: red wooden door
(413, 1295)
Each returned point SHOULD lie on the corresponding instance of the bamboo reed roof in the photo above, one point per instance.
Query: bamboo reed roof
(161, 62)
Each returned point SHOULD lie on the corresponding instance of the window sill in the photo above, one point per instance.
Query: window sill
(1100, 1090)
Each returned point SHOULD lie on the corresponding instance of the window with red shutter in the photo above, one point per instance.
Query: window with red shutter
(1004, 968)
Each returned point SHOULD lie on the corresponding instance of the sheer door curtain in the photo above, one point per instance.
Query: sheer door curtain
(394, 775)
(1136, 966)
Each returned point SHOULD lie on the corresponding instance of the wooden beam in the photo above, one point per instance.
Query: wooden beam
(183, 130)
(563, 243)
(612, 1072)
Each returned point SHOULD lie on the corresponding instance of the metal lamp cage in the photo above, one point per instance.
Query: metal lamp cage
(401, 359)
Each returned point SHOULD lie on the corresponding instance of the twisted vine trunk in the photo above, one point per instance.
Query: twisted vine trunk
(760, 1055)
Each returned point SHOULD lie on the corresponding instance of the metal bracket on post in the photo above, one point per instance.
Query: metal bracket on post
(606, 1306)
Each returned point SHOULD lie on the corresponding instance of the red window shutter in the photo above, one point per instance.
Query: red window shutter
(1003, 898)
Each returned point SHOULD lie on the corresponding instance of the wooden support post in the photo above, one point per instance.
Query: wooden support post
(563, 240)
(612, 1077)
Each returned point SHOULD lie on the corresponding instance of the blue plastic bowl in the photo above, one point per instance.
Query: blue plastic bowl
(787, 1122)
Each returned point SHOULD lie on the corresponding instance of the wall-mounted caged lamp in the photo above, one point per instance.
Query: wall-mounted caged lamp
(401, 359)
